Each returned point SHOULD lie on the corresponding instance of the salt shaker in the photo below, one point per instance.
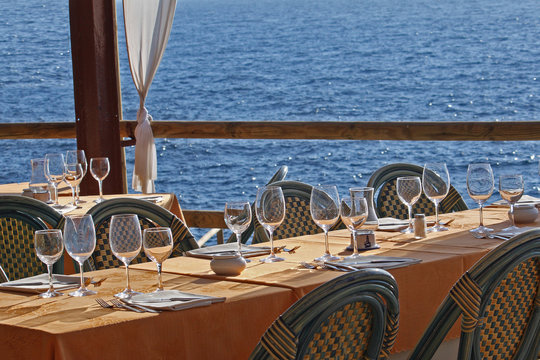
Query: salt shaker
(419, 226)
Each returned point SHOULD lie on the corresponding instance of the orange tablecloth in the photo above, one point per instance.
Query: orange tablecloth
(65, 327)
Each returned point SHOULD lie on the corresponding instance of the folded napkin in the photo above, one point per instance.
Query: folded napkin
(40, 283)
(228, 249)
(525, 199)
(375, 261)
(391, 224)
(505, 235)
(65, 208)
(173, 300)
(152, 198)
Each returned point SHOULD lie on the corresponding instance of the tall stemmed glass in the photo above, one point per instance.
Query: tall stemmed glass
(78, 157)
(99, 168)
(54, 171)
(354, 212)
(238, 217)
(80, 240)
(324, 209)
(49, 247)
(73, 175)
(409, 189)
(125, 241)
(270, 210)
(511, 189)
(436, 184)
(158, 246)
(480, 187)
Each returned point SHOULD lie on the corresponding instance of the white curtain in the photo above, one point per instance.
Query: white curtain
(148, 25)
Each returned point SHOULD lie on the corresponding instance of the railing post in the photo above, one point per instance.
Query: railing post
(96, 85)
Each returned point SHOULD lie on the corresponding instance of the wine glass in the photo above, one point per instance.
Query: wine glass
(511, 189)
(238, 217)
(39, 184)
(354, 212)
(54, 171)
(409, 189)
(80, 241)
(270, 210)
(125, 241)
(99, 168)
(436, 184)
(324, 209)
(74, 157)
(49, 247)
(73, 175)
(480, 187)
(158, 246)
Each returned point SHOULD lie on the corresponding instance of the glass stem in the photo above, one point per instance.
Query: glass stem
(100, 190)
(512, 213)
(326, 246)
(355, 243)
(128, 287)
(410, 216)
(271, 232)
(239, 241)
(481, 215)
(49, 270)
(83, 287)
(160, 284)
(77, 189)
(436, 214)
(55, 186)
(73, 194)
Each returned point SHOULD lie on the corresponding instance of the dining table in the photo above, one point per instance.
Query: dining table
(67, 327)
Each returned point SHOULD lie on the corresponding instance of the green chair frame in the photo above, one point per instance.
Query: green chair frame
(499, 302)
(383, 181)
(354, 316)
(20, 217)
(150, 215)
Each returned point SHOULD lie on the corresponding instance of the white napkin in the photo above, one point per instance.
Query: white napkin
(376, 261)
(172, 300)
(228, 249)
(40, 283)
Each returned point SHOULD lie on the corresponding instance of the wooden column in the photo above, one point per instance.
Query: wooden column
(96, 85)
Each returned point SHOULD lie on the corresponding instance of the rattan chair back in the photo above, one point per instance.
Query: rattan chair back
(499, 304)
(20, 217)
(354, 316)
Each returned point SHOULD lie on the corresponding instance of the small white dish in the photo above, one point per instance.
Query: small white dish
(524, 213)
(228, 265)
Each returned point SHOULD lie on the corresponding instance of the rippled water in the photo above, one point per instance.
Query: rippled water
(314, 60)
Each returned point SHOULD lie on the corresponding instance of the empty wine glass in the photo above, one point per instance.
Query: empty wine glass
(80, 241)
(49, 247)
(158, 246)
(54, 171)
(480, 187)
(73, 175)
(324, 209)
(238, 217)
(511, 189)
(74, 157)
(99, 168)
(354, 212)
(409, 189)
(436, 184)
(125, 241)
(270, 210)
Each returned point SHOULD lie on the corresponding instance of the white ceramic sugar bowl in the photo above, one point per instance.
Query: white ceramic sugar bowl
(524, 213)
(228, 265)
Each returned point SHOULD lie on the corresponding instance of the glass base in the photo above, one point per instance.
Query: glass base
(82, 292)
(80, 201)
(99, 200)
(481, 232)
(436, 228)
(352, 257)
(512, 228)
(271, 258)
(50, 294)
(327, 257)
(126, 294)
(408, 230)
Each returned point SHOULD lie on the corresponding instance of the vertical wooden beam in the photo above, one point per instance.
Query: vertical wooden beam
(96, 85)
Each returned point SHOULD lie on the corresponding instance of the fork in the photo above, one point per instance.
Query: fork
(137, 308)
(115, 304)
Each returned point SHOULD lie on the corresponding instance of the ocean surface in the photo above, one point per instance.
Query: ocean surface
(302, 60)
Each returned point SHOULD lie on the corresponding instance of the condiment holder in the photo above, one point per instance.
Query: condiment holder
(228, 265)
(366, 240)
(524, 213)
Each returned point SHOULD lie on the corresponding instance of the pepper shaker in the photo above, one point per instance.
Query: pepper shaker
(419, 226)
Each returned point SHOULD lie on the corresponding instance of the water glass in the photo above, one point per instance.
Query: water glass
(436, 184)
(39, 184)
(354, 212)
(270, 210)
(73, 176)
(78, 157)
(54, 171)
(480, 185)
(158, 246)
(409, 189)
(80, 242)
(49, 247)
(511, 189)
(99, 168)
(324, 209)
(126, 241)
(238, 217)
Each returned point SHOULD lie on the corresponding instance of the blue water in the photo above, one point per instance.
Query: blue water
(339, 60)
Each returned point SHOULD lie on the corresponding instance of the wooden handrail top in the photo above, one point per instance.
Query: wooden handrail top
(329, 130)
(206, 219)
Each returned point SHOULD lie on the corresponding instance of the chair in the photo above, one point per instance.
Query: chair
(150, 215)
(499, 304)
(298, 219)
(383, 181)
(354, 316)
(20, 217)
